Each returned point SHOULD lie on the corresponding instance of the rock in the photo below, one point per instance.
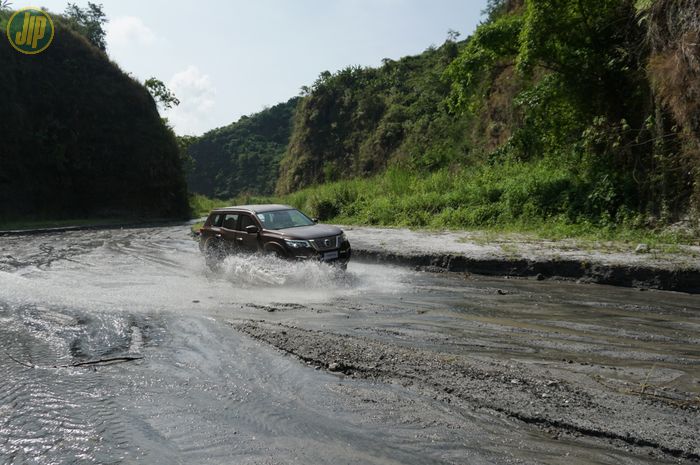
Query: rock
(642, 248)
(334, 366)
(540, 277)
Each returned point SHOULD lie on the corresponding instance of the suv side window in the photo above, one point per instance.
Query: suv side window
(230, 220)
(215, 220)
(246, 220)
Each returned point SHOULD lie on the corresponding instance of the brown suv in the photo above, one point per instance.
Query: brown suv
(275, 229)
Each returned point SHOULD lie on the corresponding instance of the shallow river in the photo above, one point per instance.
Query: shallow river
(176, 383)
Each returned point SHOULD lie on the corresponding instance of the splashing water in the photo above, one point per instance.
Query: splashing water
(248, 271)
(163, 270)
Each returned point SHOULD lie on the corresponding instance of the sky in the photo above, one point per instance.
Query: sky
(224, 59)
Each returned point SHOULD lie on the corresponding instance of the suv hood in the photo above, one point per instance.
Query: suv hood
(310, 232)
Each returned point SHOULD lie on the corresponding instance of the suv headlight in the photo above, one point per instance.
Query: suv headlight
(343, 238)
(297, 244)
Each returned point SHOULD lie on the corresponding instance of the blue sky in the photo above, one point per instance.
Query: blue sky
(225, 59)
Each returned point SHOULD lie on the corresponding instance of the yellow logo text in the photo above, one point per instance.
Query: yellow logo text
(30, 30)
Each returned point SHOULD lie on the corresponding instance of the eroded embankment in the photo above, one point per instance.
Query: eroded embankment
(475, 253)
(683, 280)
(574, 407)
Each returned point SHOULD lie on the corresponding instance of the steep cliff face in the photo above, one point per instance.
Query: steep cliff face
(82, 138)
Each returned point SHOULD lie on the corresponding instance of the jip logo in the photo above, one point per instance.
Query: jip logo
(30, 30)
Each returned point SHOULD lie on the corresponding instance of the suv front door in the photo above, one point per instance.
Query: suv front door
(245, 240)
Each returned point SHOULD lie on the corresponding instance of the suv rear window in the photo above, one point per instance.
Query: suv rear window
(215, 220)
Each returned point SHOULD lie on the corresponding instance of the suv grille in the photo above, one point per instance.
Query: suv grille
(325, 243)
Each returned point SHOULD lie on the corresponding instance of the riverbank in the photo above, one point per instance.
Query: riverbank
(675, 267)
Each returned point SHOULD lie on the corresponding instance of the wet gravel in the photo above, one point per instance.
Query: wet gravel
(555, 401)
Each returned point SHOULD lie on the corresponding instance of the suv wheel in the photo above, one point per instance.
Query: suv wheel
(275, 252)
(214, 251)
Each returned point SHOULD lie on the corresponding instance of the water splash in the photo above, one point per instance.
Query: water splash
(163, 270)
(255, 270)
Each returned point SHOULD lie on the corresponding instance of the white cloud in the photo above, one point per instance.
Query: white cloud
(197, 98)
(129, 30)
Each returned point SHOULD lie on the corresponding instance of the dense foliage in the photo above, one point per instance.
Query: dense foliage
(80, 138)
(583, 101)
(568, 112)
(572, 111)
(242, 157)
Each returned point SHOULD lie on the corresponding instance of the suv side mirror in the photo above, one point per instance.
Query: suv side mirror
(315, 220)
(251, 229)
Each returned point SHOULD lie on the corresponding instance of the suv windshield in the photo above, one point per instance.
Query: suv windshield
(283, 219)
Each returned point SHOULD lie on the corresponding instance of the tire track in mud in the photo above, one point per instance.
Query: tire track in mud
(513, 389)
(42, 252)
(45, 250)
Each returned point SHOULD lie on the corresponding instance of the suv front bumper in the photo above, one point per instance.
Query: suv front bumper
(341, 255)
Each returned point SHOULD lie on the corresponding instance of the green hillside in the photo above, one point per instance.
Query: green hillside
(359, 120)
(80, 138)
(242, 157)
(552, 113)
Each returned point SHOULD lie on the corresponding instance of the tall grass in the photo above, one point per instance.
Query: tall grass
(201, 205)
(536, 197)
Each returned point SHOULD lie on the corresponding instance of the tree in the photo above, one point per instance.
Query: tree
(183, 145)
(89, 22)
(161, 94)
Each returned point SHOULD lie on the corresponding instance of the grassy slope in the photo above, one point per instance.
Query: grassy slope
(401, 199)
(463, 200)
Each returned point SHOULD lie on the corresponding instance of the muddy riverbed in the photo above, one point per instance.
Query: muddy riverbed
(121, 346)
